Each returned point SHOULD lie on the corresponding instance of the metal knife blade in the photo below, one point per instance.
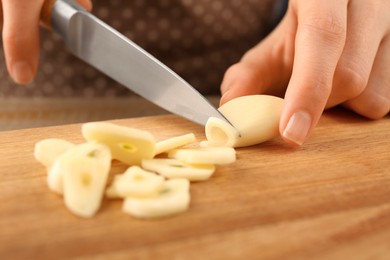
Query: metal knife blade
(112, 53)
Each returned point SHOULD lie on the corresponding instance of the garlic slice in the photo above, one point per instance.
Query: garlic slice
(129, 145)
(84, 171)
(135, 182)
(207, 155)
(47, 150)
(173, 198)
(172, 168)
(174, 142)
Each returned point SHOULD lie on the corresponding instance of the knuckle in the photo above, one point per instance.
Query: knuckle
(353, 83)
(371, 105)
(377, 109)
(10, 38)
(322, 87)
(329, 26)
(18, 43)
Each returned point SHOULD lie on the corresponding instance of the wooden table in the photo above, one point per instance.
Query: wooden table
(329, 199)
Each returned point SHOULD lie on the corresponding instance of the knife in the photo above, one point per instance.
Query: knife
(112, 53)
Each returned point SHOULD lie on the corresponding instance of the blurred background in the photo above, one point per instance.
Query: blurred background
(198, 39)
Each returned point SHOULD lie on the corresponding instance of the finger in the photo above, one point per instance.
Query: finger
(1, 16)
(319, 43)
(374, 102)
(21, 38)
(363, 39)
(87, 4)
(46, 10)
(265, 68)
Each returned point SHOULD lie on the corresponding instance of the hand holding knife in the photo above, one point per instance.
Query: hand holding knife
(106, 49)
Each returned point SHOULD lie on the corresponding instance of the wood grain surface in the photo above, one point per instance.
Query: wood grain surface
(329, 199)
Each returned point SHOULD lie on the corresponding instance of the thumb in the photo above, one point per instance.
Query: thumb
(265, 69)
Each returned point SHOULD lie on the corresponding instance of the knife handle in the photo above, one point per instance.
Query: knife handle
(46, 12)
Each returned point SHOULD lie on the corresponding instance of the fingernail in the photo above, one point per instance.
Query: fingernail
(22, 73)
(225, 88)
(226, 85)
(298, 127)
(224, 98)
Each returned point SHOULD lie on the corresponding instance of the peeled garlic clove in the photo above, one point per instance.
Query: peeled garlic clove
(173, 198)
(129, 145)
(255, 119)
(172, 168)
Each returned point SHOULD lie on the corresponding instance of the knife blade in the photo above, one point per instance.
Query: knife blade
(112, 53)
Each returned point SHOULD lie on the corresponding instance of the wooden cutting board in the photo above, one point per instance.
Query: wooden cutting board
(327, 199)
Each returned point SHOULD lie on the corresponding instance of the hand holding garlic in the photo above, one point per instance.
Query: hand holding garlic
(322, 54)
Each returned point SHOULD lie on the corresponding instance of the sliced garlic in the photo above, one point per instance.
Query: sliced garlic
(135, 182)
(255, 119)
(84, 170)
(47, 150)
(174, 142)
(172, 168)
(129, 145)
(173, 198)
(55, 178)
(207, 155)
(205, 144)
